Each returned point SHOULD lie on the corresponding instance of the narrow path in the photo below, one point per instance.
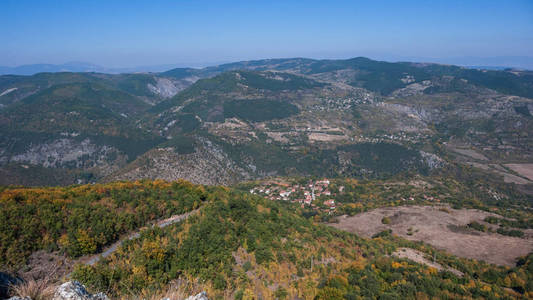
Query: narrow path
(112, 248)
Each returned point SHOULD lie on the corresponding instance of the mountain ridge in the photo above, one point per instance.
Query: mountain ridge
(497, 63)
(260, 118)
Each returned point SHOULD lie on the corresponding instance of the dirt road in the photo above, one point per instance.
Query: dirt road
(112, 248)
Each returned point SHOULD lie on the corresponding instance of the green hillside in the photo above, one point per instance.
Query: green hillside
(237, 246)
(274, 117)
(95, 108)
(136, 85)
(80, 220)
(104, 115)
(385, 77)
(239, 82)
(181, 72)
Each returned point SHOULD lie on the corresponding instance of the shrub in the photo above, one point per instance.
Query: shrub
(479, 227)
(512, 232)
(281, 293)
(491, 220)
(329, 293)
(384, 233)
(263, 255)
(34, 289)
(219, 282)
(247, 266)
(239, 295)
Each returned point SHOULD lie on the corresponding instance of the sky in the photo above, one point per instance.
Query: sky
(122, 33)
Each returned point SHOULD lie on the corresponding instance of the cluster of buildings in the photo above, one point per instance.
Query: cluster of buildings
(420, 197)
(315, 194)
(343, 103)
(399, 137)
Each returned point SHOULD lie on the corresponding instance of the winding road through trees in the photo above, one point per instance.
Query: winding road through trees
(112, 248)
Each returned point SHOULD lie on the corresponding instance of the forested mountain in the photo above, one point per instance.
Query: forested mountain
(254, 119)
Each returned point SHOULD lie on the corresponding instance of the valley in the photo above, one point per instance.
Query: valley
(282, 117)
(300, 179)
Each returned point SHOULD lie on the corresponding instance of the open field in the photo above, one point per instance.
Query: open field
(525, 170)
(507, 177)
(325, 137)
(469, 153)
(442, 228)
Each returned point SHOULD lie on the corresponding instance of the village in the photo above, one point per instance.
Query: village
(399, 138)
(329, 103)
(315, 194)
(329, 197)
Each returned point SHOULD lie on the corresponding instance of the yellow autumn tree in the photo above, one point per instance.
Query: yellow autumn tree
(329, 293)
(86, 242)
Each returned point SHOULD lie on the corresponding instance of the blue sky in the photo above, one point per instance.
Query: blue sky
(132, 33)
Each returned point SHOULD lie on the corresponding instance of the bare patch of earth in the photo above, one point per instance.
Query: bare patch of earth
(469, 152)
(233, 123)
(278, 136)
(420, 258)
(507, 177)
(510, 178)
(8, 91)
(439, 228)
(324, 137)
(525, 170)
(43, 264)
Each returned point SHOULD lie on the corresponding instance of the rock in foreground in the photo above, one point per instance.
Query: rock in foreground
(73, 290)
(200, 296)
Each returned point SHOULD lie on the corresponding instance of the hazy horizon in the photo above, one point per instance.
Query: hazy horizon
(125, 34)
(491, 63)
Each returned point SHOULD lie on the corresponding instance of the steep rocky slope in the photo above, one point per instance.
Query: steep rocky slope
(208, 164)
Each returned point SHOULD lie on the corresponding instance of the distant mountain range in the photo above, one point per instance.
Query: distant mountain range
(80, 67)
(485, 63)
(490, 63)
